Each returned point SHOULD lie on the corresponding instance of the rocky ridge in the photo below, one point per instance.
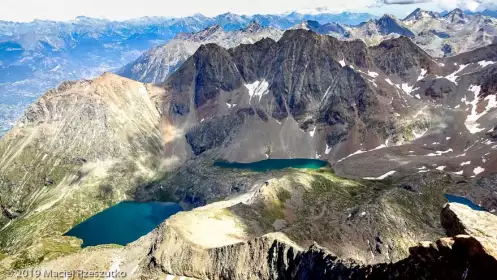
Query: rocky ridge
(166, 252)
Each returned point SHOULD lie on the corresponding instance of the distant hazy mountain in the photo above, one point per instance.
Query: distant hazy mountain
(332, 28)
(440, 35)
(451, 33)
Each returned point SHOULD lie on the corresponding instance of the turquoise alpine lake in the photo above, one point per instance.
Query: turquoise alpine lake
(274, 164)
(123, 223)
(463, 200)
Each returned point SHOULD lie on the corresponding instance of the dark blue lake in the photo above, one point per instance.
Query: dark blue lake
(123, 223)
(273, 164)
(463, 200)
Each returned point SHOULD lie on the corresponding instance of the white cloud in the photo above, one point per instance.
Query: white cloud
(27, 10)
(473, 5)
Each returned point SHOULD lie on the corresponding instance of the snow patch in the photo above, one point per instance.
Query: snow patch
(388, 81)
(311, 133)
(478, 170)
(257, 88)
(389, 173)
(328, 149)
(485, 63)
(471, 120)
(458, 172)
(465, 163)
(342, 63)
(373, 74)
(453, 77)
(439, 153)
(406, 88)
(423, 74)
(441, 168)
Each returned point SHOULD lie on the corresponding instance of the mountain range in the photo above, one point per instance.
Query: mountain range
(38, 55)
(398, 128)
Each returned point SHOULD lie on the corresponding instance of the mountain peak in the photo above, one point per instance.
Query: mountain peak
(253, 26)
(456, 16)
(419, 14)
(201, 35)
(230, 15)
(307, 25)
(89, 20)
(331, 28)
(388, 16)
(457, 11)
(388, 24)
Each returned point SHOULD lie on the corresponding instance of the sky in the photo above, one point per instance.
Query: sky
(28, 10)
